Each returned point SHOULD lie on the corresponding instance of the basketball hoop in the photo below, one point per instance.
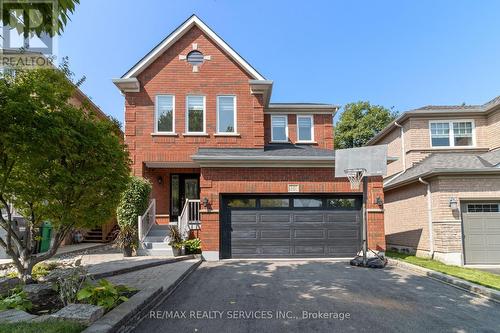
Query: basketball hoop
(355, 177)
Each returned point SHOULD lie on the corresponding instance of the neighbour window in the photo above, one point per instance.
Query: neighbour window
(279, 129)
(307, 202)
(164, 114)
(452, 133)
(483, 208)
(195, 120)
(226, 114)
(305, 129)
(274, 203)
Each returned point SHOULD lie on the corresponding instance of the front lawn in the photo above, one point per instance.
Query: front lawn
(49, 326)
(472, 275)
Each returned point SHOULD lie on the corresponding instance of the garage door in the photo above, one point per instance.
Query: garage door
(290, 227)
(481, 228)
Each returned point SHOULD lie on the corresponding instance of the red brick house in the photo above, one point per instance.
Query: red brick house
(253, 179)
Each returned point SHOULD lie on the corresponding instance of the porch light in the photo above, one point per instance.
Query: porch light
(205, 202)
(379, 201)
(160, 180)
(453, 203)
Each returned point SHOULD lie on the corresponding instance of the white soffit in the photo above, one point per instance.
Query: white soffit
(176, 35)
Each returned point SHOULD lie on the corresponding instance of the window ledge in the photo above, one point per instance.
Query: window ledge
(279, 141)
(164, 134)
(195, 134)
(227, 134)
(306, 142)
(453, 147)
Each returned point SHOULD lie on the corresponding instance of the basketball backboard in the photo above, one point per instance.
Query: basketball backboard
(372, 158)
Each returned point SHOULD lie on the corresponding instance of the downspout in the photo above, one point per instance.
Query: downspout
(429, 216)
(403, 150)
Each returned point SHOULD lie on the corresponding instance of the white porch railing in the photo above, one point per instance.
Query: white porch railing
(146, 221)
(190, 217)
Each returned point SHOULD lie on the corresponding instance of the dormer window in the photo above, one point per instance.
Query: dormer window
(454, 133)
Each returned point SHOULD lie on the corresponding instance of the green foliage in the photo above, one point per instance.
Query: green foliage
(486, 279)
(104, 294)
(49, 326)
(58, 161)
(133, 201)
(38, 10)
(193, 246)
(359, 122)
(42, 269)
(176, 240)
(68, 284)
(127, 237)
(16, 299)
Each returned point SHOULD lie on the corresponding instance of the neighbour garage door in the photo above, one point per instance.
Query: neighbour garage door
(481, 233)
(290, 227)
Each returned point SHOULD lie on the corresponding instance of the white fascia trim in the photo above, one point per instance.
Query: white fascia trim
(127, 85)
(176, 35)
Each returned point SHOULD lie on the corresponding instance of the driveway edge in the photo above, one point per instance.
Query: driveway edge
(137, 306)
(485, 292)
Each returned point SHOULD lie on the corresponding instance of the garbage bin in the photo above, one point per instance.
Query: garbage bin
(45, 237)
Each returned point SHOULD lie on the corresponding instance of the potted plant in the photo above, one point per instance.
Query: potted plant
(133, 203)
(176, 241)
(127, 239)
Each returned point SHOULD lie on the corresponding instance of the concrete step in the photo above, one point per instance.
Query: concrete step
(156, 245)
(155, 252)
(154, 238)
(157, 233)
(159, 227)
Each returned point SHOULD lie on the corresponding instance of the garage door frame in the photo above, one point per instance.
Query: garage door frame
(224, 214)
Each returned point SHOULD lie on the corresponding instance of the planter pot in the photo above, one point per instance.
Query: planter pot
(178, 251)
(127, 251)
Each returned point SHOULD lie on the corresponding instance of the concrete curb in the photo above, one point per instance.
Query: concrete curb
(136, 307)
(486, 292)
(140, 266)
(77, 251)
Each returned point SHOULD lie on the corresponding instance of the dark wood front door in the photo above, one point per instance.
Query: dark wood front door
(182, 187)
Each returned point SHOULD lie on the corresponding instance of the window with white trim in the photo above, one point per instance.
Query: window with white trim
(279, 128)
(305, 128)
(483, 208)
(456, 133)
(195, 118)
(226, 114)
(164, 114)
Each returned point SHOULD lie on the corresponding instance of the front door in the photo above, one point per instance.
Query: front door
(182, 187)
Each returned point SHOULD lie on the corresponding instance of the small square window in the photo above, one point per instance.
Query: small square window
(274, 203)
(347, 203)
(307, 203)
(279, 129)
(242, 203)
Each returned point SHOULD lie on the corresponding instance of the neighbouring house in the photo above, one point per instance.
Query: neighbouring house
(442, 196)
(250, 178)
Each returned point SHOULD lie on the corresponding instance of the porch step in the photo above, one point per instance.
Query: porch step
(159, 238)
(156, 245)
(155, 252)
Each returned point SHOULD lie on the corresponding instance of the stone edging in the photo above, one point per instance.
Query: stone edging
(486, 292)
(136, 307)
(133, 268)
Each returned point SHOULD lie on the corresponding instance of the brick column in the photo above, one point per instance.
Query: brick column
(375, 224)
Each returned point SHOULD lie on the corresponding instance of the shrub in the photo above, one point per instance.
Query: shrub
(16, 299)
(133, 201)
(69, 282)
(42, 269)
(104, 294)
(193, 246)
(176, 240)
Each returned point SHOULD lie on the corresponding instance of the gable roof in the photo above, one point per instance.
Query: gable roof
(176, 35)
(448, 163)
(437, 110)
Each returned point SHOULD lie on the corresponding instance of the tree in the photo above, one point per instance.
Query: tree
(58, 163)
(359, 122)
(41, 16)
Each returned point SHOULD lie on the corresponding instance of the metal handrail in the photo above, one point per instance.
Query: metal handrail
(146, 221)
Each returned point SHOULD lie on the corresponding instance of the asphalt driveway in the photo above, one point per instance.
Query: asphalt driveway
(317, 296)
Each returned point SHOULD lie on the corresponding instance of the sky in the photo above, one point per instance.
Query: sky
(399, 54)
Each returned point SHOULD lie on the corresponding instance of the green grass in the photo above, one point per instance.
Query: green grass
(472, 275)
(49, 326)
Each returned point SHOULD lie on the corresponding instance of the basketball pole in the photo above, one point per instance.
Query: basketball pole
(365, 219)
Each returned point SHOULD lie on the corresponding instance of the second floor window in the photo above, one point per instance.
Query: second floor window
(195, 118)
(279, 129)
(452, 133)
(226, 114)
(305, 131)
(164, 114)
